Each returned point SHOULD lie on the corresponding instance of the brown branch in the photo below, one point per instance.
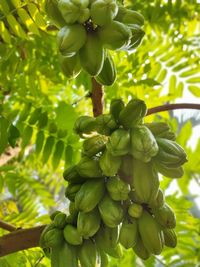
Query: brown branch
(97, 98)
(8, 227)
(20, 240)
(172, 107)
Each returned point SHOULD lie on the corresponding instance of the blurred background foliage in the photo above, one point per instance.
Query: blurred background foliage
(38, 107)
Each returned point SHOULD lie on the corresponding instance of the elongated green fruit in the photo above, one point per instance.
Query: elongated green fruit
(161, 130)
(88, 254)
(145, 181)
(150, 233)
(143, 144)
(109, 164)
(119, 142)
(106, 124)
(133, 113)
(116, 106)
(72, 176)
(53, 13)
(60, 220)
(140, 250)
(89, 195)
(68, 255)
(128, 234)
(70, 66)
(71, 190)
(94, 145)
(84, 125)
(115, 252)
(170, 238)
(89, 168)
(135, 210)
(103, 11)
(107, 76)
(136, 39)
(165, 216)
(117, 188)
(92, 55)
(53, 238)
(88, 223)
(71, 235)
(107, 237)
(71, 38)
(104, 259)
(115, 35)
(159, 201)
(168, 171)
(111, 212)
(128, 16)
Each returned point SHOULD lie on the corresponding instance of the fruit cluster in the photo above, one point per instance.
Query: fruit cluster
(114, 193)
(89, 28)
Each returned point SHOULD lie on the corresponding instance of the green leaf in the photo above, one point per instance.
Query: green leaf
(195, 90)
(58, 153)
(35, 116)
(39, 142)
(43, 120)
(3, 134)
(68, 155)
(26, 136)
(13, 135)
(48, 147)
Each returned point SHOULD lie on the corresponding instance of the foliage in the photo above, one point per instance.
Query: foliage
(38, 107)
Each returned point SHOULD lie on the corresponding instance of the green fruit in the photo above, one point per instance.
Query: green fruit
(71, 38)
(161, 130)
(53, 238)
(170, 238)
(128, 234)
(107, 237)
(145, 181)
(105, 124)
(115, 252)
(84, 125)
(92, 55)
(74, 11)
(150, 233)
(54, 14)
(104, 259)
(117, 189)
(159, 201)
(133, 113)
(109, 164)
(88, 223)
(115, 35)
(71, 175)
(71, 235)
(136, 39)
(128, 16)
(119, 142)
(107, 76)
(53, 215)
(143, 144)
(165, 216)
(168, 171)
(111, 212)
(71, 191)
(89, 168)
(42, 241)
(103, 11)
(94, 145)
(67, 255)
(70, 66)
(88, 254)
(89, 195)
(170, 153)
(135, 210)
(60, 220)
(126, 169)
(140, 250)
(116, 106)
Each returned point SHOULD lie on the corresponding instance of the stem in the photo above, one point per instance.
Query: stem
(8, 227)
(20, 240)
(97, 98)
(172, 107)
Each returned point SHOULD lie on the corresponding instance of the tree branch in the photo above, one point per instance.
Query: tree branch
(97, 98)
(8, 227)
(20, 240)
(172, 107)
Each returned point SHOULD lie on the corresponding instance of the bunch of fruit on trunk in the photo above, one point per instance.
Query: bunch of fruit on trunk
(88, 30)
(114, 194)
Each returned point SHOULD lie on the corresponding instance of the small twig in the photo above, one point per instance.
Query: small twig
(172, 107)
(7, 226)
(97, 98)
(160, 261)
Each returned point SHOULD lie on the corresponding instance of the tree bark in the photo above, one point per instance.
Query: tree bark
(97, 98)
